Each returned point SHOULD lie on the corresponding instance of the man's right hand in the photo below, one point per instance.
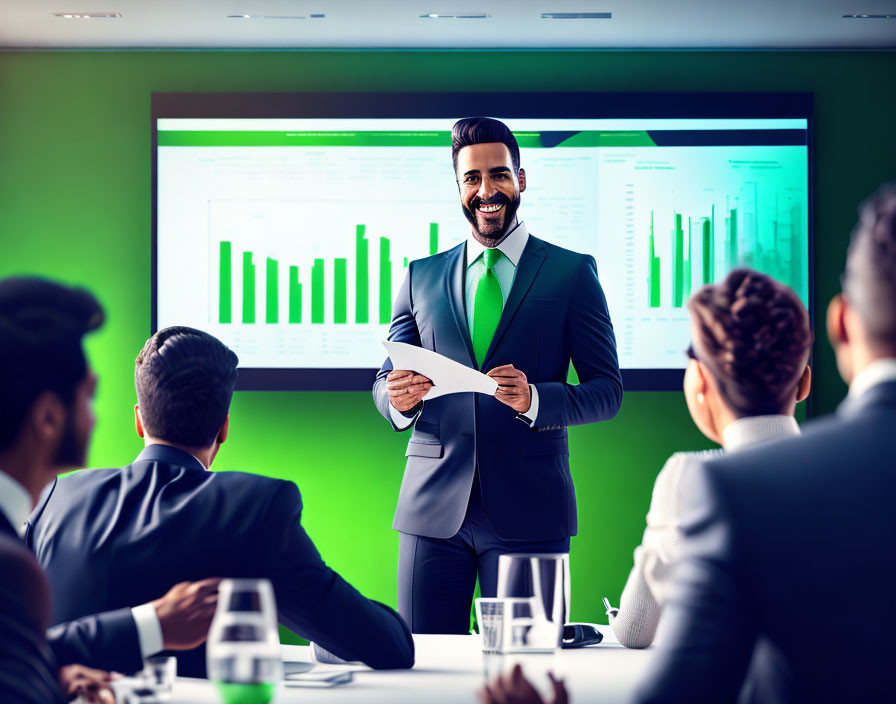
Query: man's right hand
(406, 388)
(186, 612)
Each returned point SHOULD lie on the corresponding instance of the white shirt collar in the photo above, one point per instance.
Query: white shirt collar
(878, 372)
(15, 502)
(754, 430)
(512, 247)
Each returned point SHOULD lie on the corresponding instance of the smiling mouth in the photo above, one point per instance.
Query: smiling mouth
(490, 209)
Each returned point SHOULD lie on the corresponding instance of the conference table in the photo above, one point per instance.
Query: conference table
(451, 668)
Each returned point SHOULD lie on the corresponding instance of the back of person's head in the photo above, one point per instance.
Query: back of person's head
(185, 380)
(869, 283)
(754, 336)
(483, 130)
(42, 324)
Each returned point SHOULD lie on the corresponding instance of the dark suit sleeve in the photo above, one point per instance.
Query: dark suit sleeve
(707, 631)
(592, 345)
(402, 329)
(107, 641)
(318, 604)
(27, 669)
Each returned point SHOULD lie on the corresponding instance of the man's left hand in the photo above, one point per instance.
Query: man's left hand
(513, 387)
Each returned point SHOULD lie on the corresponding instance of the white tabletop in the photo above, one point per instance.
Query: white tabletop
(451, 669)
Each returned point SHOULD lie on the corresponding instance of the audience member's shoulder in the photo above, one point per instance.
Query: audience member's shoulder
(254, 483)
(677, 466)
(23, 578)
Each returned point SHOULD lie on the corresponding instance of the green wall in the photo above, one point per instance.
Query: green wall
(75, 205)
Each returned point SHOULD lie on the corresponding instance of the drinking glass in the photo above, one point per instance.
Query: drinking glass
(243, 649)
(538, 583)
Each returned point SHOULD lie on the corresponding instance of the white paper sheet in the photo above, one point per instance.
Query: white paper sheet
(448, 376)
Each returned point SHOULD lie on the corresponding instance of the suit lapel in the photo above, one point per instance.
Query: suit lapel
(454, 283)
(530, 264)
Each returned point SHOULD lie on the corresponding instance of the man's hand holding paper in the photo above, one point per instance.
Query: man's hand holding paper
(406, 388)
(434, 375)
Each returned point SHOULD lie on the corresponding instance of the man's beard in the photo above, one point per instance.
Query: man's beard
(494, 236)
(72, 451)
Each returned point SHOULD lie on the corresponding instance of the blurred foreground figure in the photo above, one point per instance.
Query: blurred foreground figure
(45, 423)
(782, 593)
(514, 688)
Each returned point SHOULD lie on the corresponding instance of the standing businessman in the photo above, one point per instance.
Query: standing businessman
(490, 475)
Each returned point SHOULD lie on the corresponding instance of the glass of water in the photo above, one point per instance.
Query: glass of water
(243, 648)
(539, 583)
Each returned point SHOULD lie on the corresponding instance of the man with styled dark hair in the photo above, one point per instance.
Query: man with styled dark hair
(46, 420)
(109, 538)
(490, 475)
(774, 536)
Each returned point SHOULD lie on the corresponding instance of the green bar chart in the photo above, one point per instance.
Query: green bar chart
(340, 287)
(385, 281)
(362, 276)
(224, 283)
(295, 296)
(700, 250)
(248, 288)
(330, 285)
(272, 308)
(317, 292)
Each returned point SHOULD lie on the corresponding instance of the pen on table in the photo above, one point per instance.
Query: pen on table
(611, 610)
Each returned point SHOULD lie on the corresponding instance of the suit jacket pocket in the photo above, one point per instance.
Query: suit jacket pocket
(542, 444)
(423, 449)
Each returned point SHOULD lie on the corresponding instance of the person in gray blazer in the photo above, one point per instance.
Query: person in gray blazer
(753, 335)
(782, 592)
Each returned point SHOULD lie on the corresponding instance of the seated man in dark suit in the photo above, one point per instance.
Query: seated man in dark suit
(112, 538)
(783, 591)
(46, 388)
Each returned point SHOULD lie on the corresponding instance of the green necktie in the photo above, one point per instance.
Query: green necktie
(487, 305)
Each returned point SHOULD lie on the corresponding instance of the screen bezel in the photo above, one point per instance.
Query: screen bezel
(681, 105)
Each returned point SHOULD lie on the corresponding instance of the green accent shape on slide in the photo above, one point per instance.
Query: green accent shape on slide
(615, 138)
(274, 138)
(236, 693)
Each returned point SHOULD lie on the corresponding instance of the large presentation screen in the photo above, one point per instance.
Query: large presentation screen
(288, 233)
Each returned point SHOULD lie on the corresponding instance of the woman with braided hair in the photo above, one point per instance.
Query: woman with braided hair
(751, 339)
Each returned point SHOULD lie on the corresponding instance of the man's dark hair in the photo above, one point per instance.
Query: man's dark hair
(754, 335)
(185, 380)
(483, 130)
(41, 326)
(869, 283)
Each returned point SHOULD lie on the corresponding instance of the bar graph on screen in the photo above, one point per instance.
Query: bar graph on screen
(701, 246)
(304, 276)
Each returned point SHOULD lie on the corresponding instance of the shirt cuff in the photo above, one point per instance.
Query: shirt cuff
(400, 420)
(529, 416)
(149, 630)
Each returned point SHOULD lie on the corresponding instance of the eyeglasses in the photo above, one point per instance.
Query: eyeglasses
(689, 352)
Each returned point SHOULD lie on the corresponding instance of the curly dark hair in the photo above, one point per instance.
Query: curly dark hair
(185, 380)
(483, 130)
(869, 284)
(754, 336)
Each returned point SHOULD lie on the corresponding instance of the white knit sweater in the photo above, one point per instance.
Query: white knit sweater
(641, 602)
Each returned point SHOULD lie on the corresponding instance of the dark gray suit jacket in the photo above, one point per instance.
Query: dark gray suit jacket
(117, 538)
(785, 592)
(555, 313)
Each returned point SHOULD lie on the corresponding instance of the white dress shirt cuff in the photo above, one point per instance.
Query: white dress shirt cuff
(149, 630)
(530, 415)
(401, 421)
